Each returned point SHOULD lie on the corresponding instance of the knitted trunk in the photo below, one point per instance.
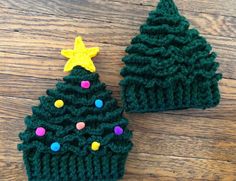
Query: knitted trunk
(138, 98)
(71, 167)
(169, 66)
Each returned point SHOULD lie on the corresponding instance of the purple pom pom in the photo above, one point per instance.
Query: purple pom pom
(118, 130)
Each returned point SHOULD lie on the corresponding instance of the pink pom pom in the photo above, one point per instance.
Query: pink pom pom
(80, 125)
(40, 131)
(85, 84)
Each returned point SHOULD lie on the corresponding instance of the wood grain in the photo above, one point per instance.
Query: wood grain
(174, 145)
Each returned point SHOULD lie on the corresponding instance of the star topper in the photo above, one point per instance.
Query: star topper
(80, 55)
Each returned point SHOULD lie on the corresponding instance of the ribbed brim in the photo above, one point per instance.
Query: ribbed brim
(70, 167)
(138, 98)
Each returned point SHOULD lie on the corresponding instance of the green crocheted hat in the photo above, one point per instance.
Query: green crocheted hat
(77, 132)
(169, 66)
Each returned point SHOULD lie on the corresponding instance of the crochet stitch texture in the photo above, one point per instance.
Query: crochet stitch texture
(77, 133)
(169, 66)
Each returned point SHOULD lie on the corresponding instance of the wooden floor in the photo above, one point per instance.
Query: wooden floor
(176, 145)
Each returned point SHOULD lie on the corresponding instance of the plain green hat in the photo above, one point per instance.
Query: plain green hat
(169, 66)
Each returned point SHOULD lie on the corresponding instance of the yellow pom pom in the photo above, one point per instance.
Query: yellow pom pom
(59, 103)
(95, 146)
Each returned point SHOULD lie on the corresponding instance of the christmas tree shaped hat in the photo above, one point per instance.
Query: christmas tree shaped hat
(169, 66)
(77, 132)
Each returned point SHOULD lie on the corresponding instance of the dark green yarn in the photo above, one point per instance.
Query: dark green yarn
(75, 160)
(169, 66)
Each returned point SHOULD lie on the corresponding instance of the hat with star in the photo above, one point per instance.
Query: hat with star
(77, 132)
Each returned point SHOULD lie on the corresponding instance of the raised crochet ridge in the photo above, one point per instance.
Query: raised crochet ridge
(169, 66)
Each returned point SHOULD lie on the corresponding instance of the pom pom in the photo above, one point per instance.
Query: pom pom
(40, 131)
(118, 130)
(80, 125)
(59, 103)
(95, 146)
(99, 103)
(85, 84)
(55, 146)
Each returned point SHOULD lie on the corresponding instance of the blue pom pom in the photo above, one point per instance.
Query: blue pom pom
(98, 103)
(55, 146)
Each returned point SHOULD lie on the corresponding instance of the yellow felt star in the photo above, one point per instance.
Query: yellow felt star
(80, 56)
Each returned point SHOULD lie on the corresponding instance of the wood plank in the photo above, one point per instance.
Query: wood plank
(47, 46)
(105, 10)
(151, 177)
(183, 146)
(11, 171)
(201, 6)
(207, 24)
(184, 125)
(190, 168)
